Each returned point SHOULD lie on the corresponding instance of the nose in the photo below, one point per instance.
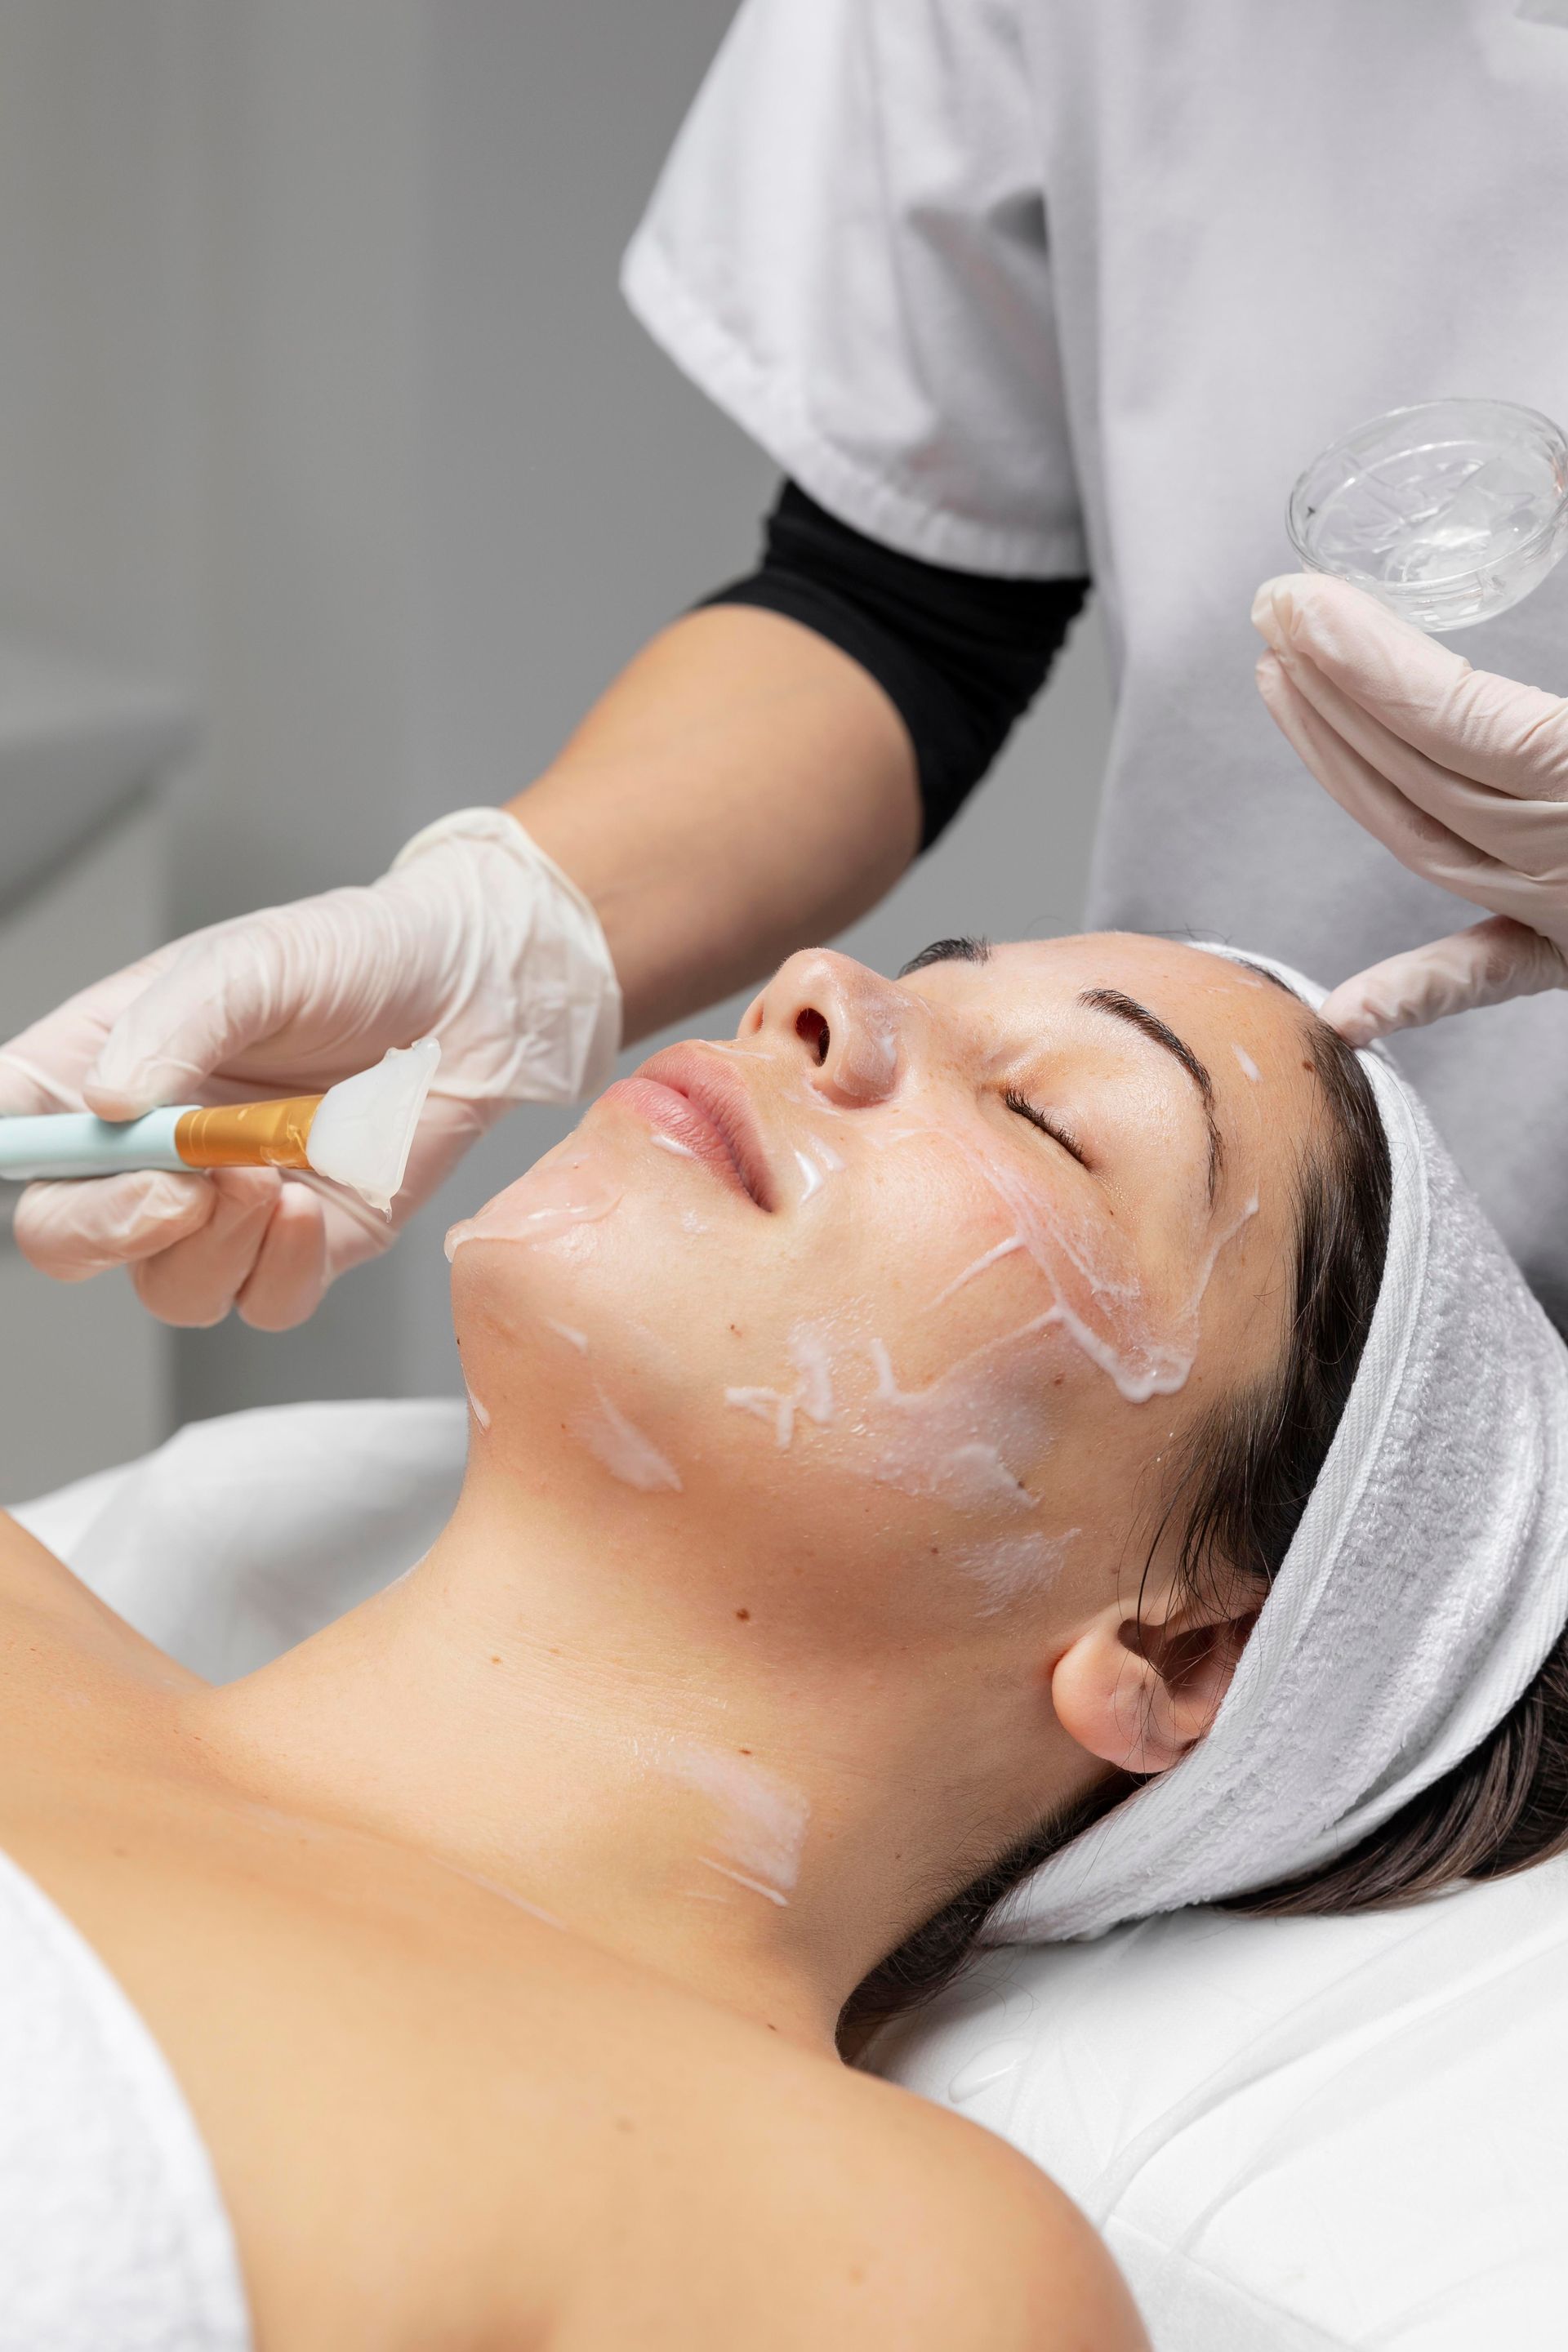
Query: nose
(847, 1024)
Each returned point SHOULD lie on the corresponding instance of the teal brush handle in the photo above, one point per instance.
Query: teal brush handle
(74, 1143)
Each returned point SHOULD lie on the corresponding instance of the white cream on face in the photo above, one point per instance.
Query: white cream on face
(566, 1189)
(948, 1440)
(809, 1350)
(942, 1440)
(1099, 1296)
(626, 1452)
(811, 1175)
(1140, 1365)
(1248, 1067)
(988, 1258)
(1013, 1567)
(815, 1164)
(967, 1436)
(550, 1205)
(969, 1439)
(884, 1037)
(757, 1821)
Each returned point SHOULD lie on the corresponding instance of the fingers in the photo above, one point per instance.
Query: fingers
(308, 992)
(75, 1230)
(29, 1086)
(42, 1068)
(1418, 841)
(211, 1001)
(1529, 834)
(1421, 842)
(285, 1284)
(1488, 964)
(194, 1282)
(198, 1246)
(1492, 729)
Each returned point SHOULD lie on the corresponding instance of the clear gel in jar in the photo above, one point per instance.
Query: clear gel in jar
(1448, 513)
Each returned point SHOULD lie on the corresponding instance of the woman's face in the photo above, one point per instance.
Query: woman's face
(913, 1289)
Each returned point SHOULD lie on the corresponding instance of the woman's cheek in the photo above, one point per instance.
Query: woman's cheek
(1139, 1330)
(903, 1352)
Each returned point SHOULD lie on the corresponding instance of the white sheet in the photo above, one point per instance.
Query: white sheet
(1296, 2133)
(113, 2236)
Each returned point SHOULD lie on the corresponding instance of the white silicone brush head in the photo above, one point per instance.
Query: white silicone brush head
(362, 1133)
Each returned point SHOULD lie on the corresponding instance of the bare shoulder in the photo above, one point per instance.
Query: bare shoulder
(56, 1636)
(934, 2232)
(1010, 2261)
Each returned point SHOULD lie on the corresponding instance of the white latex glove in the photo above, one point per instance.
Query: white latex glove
(474, 937)
(1462, 774)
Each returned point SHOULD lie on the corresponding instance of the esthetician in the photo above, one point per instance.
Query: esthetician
(1022, 295)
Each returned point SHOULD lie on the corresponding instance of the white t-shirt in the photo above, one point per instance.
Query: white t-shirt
(1036, 287)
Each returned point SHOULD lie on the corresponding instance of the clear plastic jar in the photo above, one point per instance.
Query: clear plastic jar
(1448, 512)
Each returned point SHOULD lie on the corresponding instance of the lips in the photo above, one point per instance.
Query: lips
(690, 1097)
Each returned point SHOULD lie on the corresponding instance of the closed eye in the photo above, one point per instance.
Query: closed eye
(1025, 1110)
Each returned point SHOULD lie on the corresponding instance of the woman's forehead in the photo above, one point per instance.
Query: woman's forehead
(1223, 999)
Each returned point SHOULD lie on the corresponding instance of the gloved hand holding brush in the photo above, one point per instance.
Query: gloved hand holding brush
(474, 938)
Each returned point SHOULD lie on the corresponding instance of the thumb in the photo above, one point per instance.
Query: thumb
(217, 997)
(1488, 964)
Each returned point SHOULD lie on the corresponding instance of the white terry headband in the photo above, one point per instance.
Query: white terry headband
(1426, 1584)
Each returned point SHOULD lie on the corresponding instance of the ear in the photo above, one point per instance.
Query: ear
(1139, 1693)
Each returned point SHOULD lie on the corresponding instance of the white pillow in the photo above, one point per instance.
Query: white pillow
(242, 1536)
(1295, 2135)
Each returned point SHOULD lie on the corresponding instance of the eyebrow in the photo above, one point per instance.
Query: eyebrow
(1138, 1016)
(959, 950)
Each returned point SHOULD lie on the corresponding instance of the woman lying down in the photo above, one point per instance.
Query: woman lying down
(991, 1455)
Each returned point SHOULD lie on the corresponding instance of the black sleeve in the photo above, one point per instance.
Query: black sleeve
(960, 655)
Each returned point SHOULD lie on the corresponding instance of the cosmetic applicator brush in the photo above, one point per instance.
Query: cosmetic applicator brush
(358, 1134)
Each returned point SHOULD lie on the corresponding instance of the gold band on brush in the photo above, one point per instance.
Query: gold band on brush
(248, 1135)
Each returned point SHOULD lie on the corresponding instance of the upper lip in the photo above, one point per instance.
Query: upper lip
(723, 1100)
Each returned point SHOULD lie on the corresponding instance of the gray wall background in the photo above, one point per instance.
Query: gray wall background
(325, 406)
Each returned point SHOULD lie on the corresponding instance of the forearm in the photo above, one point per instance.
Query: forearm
(742, 789)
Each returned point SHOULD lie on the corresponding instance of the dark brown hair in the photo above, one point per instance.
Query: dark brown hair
(1239, 1496)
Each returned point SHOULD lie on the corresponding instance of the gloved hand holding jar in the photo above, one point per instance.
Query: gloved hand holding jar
(1462, 774)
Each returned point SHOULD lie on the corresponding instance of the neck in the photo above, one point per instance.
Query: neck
(551, 1706)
